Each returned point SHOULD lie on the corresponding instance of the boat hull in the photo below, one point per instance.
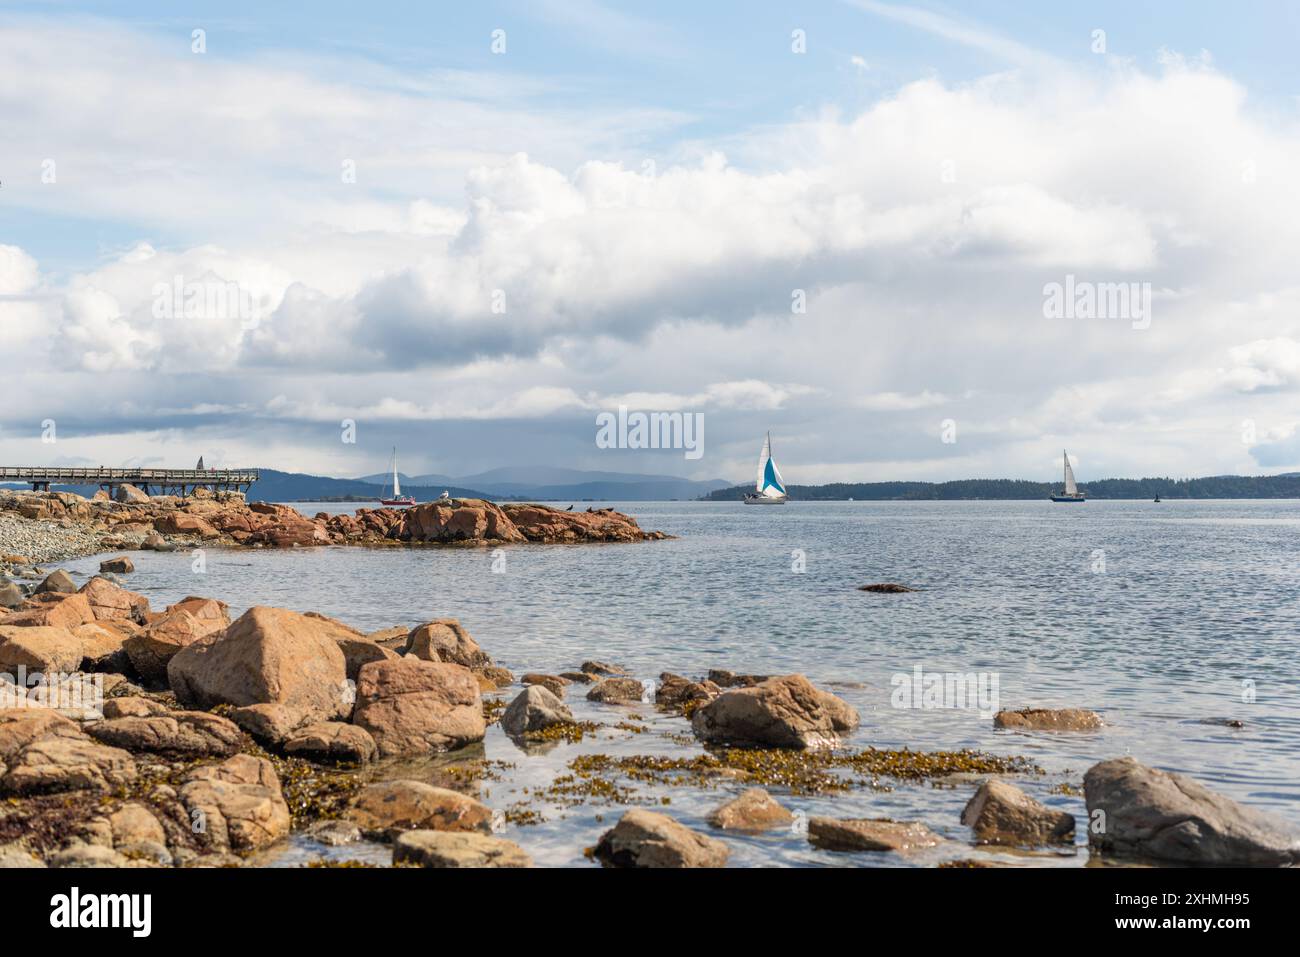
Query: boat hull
(1068, 498)
(764, 500)
(397, 502)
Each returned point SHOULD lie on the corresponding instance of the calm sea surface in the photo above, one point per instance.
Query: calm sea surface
(1164, 618)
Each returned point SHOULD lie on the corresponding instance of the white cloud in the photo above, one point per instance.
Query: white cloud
(496, 263)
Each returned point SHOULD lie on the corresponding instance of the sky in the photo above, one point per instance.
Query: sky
(296, 235)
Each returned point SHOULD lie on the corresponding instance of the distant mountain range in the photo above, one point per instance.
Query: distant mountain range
(539, 484)
(1215, 486)
(547, 483)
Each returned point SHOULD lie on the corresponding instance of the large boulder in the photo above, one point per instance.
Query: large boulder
(131, 495)
(382, 810)
(109, 601)
(411, 706)
(270, 724)
(784, 712)
(11, 596)
(183, 523)
(1001, 813)
(121, 565)
(332, 741)
(39, 649)
(1157, 814)
(649, 839)
(101, 645)
(52, 609)
(458, 520)
(544, 523)
(446, 640)
(457, 849)
(187, 734)
(535, 709)
(59, 582)
(268, 656)
(178, 627)
(236, 804)
(42, 752)
(358, 649)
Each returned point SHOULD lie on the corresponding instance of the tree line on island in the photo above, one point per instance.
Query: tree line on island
(1212, 487)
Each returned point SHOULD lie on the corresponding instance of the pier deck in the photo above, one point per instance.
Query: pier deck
(164, 481)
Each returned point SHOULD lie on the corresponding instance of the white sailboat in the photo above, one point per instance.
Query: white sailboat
(769, 488)
(1071, 493)
(397, 497)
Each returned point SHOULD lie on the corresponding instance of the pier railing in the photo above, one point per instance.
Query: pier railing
(180, 481)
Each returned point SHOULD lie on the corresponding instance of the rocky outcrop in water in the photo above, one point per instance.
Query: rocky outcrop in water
(1048, 719)
(1146, 812)
(28, 519)
(649, 839)
(1001, 813)
(784, 712)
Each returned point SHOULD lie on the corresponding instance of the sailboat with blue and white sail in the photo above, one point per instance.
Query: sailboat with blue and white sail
(769, 488)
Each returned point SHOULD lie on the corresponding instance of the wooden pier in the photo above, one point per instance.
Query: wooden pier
(163, 481)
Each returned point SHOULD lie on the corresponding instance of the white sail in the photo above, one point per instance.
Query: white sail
(397, 486)
(1070, 487)
(769, 483)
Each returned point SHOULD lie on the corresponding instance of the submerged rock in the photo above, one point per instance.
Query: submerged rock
(447, 849)
(752, 810)
(118, 566)
(1048, 719)
(534, 709)
(785, 712)
(863, 834)
(649, 839)
(675, 691)
(1001, 813)
(555, 684)
(1151, 813)
(383, 810)
(886, 588)
(617, 691)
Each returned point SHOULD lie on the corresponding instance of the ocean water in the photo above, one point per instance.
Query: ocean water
(1168, 619)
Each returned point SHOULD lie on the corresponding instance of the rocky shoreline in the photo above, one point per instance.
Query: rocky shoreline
(38, 527)
(178, 737)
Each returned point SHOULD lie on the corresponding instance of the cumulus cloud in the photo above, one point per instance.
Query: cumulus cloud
(847, 278)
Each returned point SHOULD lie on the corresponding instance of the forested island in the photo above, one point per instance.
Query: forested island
(1215, 486)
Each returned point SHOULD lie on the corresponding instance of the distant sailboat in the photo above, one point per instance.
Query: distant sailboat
(1071, 493)
(769, 489)
(398, 498)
